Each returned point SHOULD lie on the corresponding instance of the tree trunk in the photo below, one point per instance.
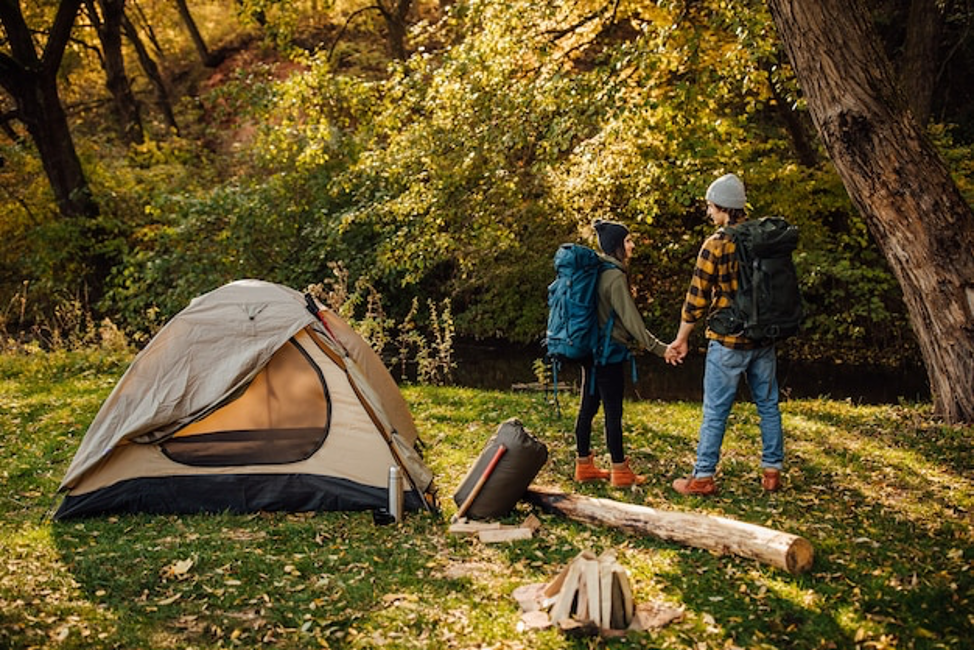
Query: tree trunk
(146, 26)
(109, 28)
(783, 550)
(395, 19)
(208, 59)
(40, 108)
(32, 82)
(897, 181)
(918, 72)
(151, 70)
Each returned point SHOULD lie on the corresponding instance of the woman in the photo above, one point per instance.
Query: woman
(615, 300)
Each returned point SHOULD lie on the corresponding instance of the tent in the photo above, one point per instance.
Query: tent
(253, 398)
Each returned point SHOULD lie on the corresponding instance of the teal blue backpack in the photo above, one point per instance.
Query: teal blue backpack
(573, 322)
(573, 331)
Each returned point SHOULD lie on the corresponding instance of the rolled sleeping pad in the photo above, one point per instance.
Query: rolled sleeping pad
(524, 457)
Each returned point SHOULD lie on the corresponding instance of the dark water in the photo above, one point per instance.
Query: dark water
(499, 366)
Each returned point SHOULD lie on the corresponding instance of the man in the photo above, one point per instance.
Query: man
(712, 288)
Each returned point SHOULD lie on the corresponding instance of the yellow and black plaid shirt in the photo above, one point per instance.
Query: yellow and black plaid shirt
(713, 286)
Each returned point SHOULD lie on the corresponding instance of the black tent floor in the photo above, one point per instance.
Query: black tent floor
(234, 493)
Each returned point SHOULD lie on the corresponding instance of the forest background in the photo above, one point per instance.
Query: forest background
(428, 157)
(421, 161)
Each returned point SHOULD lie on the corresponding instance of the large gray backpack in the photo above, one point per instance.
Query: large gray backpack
(768, 304)
(519, 457)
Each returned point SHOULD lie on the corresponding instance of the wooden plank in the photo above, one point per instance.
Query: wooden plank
(594, 610)
(562, 608)
(532, 522)
(606, 562)
(529, 597)
(623, 605)
(494, 536)
(465, 527)
(720, 534)
(580, 611)
(555, 586)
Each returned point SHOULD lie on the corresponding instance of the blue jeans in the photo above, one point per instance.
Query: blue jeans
(720, 379)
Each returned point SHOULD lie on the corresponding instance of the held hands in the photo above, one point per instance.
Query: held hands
(676, 352)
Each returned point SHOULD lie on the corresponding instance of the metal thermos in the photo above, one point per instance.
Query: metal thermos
(395, 494)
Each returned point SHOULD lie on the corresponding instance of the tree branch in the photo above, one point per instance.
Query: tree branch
(60, 33)
(17, 32)
(353, 15)
(953, 51)
(5, 120)
(558, 34)
(146, 26)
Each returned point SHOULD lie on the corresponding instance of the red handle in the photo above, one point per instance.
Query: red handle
(480, 482)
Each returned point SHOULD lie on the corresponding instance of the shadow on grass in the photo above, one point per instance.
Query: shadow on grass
(884, 511)
(272, 579)
(885, 505)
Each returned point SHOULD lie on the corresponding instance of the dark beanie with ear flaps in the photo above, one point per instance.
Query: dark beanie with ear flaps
(611, 235)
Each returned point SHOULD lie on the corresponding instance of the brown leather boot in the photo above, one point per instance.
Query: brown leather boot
(585, 470)
(622, 476)
(771, 481)
(693, 485)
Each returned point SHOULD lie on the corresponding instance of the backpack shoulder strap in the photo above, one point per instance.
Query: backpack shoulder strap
(740, 235)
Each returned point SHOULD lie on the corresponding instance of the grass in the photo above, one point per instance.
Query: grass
(884, 494)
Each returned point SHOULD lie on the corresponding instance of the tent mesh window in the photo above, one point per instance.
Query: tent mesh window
(249, 429)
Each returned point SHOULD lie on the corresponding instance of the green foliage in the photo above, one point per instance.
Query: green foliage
(196, 244)
(854, 305)
(959, 157)
(453, 175)
(882, 493)
(420, 346)
(542, 371)
(433, 359)
(279, 21)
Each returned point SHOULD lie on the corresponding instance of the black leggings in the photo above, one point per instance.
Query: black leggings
(609, 384)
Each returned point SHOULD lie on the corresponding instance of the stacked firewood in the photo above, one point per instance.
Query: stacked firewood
(590, 596)
(594, 591)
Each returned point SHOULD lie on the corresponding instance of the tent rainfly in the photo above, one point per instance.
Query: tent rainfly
(253, 398)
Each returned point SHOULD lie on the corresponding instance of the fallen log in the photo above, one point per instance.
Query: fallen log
(720, 534)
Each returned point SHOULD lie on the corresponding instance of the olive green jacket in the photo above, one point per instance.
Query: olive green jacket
(614, 296)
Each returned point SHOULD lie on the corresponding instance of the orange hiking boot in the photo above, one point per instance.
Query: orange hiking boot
(585, 470)
(771, 481)
(622, 476)
(693, 485)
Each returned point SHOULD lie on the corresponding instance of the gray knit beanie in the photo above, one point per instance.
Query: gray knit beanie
(727, 192)
(611, 235)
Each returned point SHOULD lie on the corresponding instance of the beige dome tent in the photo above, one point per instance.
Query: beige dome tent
(254, 397)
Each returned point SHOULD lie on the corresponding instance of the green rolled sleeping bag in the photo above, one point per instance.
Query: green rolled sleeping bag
(522, 459)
